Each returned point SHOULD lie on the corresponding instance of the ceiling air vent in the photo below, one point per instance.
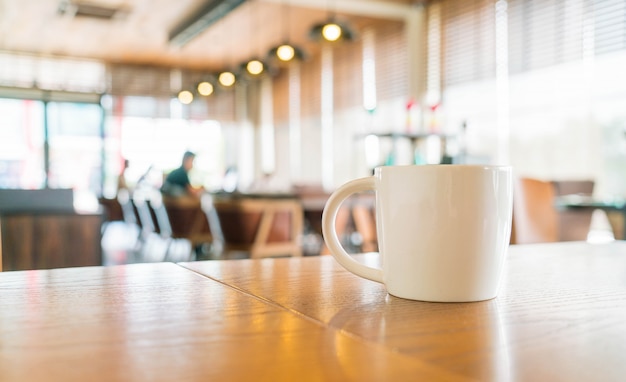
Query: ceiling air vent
(89, 9)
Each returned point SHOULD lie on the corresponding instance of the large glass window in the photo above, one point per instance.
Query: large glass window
(556, 93)
(21, 144)
(75, 147)
(155, 146)
(72, 132)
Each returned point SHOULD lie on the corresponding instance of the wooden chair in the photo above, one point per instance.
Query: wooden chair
(574, 225)
(363, 213)
(186, 219)
(535, 218)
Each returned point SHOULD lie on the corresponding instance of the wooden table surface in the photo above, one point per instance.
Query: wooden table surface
(561, 316)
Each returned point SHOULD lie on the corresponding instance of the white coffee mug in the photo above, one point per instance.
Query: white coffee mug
(443, 230)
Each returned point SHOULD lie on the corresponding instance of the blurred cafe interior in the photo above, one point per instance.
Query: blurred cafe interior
(279, 112)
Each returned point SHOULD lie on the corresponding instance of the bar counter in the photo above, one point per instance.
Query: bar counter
(559, 316)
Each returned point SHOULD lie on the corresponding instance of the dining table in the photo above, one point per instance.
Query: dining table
(578, 202)
(560, 315)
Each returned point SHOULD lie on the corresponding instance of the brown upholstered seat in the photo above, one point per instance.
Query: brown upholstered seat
(535, 219)
(574, 225)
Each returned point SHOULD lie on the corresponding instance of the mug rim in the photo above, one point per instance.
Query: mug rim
(447, 166)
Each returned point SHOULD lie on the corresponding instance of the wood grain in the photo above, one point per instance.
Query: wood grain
(50, 240)
(559, 316)
(161, 322)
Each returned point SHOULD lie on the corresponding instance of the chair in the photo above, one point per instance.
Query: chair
(217, 244)
(187, 221)
(123, 236)
(149, 238)
(535, 218)
(363, 213)
(574, 225)
(159, 245)
(175, 244)
(129, 214)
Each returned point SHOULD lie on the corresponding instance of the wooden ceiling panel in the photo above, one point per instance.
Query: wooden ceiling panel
(138, 34)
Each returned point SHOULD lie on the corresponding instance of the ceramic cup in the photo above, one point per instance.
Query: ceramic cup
(443, 230)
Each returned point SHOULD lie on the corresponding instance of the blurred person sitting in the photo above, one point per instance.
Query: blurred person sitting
(177, 182)
(122, 181)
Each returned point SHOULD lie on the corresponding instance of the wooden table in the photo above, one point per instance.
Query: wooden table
(560, 316)
(584, 202)
(264, 225)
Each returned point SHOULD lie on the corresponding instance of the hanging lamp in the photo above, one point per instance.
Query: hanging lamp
(286, 51)
(227, 78)
(331, 30)
(205, 88)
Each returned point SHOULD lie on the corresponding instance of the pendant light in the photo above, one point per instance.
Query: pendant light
(205, 88)
(254, 67)
(227, 78)
(331, 30)
(185, 97)
(285, 52)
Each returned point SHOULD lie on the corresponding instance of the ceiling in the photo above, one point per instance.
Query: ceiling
(139, 31)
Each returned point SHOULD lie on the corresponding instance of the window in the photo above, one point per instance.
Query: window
(155, 146)
(564, 85)
(22, 144)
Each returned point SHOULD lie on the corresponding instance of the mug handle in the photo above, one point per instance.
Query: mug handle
(329, 231)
